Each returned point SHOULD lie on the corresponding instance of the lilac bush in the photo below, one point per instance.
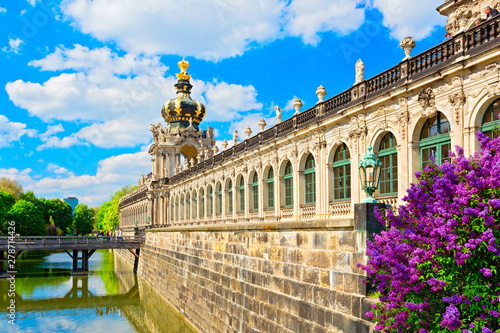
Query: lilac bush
(437, 266)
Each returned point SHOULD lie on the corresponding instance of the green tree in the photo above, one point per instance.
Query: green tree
(11, 186)
(84, 219)
(29, 220)
(6, 202)
(60, 211)
(108, 214)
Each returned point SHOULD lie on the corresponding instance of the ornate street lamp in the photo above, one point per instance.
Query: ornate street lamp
(369, 174)
(147, 221)
(135, 223)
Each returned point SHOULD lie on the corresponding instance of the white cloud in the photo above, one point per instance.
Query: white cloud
(415, 18)
(215, 29)
(117, 96)
(14, 46)
(307, 18)
(111, 174)
(12, 131)
(3, 10)
(32, 2)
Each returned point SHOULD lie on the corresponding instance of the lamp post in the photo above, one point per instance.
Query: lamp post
(135, 223)
(147, 221)
(369, 174)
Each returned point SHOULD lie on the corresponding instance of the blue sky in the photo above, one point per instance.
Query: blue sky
(82, 80)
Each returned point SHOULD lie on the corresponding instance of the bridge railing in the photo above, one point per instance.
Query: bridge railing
(67, 240)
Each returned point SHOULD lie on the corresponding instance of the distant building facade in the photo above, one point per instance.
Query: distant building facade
(72, 201)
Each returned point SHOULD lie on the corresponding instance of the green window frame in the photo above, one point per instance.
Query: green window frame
(220, 199)
(195, 204)
(342, 174)
(182, 208)
(310, 181)
(490, 123)
(270, 188)
(242, 195)
(255, 191)
(435, 140)
(188, 206)
(288, 180)
(211, 201)
(230, 197)
(202, 203)
(388, 155)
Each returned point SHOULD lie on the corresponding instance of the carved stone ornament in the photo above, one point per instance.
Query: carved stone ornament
(297, 104)
(262, 124)
(427, 100)
(463, 14)
(278, 114)
(457, 101)
(407, 44)
(360, 71)
(248, 131)
(224, 144)
(235, 137)
(321, 92)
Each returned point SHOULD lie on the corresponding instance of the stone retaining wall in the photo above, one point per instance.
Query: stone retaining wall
(273, 279)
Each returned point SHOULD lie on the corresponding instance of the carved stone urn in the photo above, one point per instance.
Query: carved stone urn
(407, 44)
(262, 124)
(297, 105)
(321, 92)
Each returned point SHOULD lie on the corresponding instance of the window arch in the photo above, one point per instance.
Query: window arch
(202, 203)
(288, 179)
(210, 201)
(270, 188)
(255, 191)
(435, 140)
(242, 195)
(219, 199)
(172, 212)
(490, 120)
(230, 197)
(388, 155)
(177, 215)
(188, 206)
(342, 173)
(310, 180)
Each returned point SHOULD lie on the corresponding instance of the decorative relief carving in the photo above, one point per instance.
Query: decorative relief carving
(488, 70)
(427, 100)
(457, 101)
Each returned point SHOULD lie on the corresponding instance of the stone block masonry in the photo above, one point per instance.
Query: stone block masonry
(262, 278)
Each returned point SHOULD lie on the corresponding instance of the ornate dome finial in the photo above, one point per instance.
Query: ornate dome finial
(182, 111)
(183, 75)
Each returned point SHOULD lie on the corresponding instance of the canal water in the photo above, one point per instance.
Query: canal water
(110, 299)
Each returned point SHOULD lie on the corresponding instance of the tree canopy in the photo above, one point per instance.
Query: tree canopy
(11, 186)
(28, 219)
(108, 214)
(83, 221)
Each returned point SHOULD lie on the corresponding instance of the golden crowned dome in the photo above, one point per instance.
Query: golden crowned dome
(180, 110)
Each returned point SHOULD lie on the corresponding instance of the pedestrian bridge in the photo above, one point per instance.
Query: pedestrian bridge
(82, 247)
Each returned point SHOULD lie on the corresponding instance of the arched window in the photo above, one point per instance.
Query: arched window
(270, 188)
(172, 216)
(255, 191)
(182, 208)
(188, 206)
(435, 140)
(342, 173)
(219, 199)
(210, 201)
(288, 179)
(310, 181)
(195, 204)
(177, 209)
(242, 195)
(202, 203)
(230, 197)
(389, 157)
(490, 120)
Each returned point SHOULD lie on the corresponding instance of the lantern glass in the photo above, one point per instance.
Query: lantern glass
(362, 176)
(376, 175)
(369, 176)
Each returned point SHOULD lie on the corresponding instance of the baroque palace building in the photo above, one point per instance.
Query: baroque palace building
(305, 168)
(266, 236)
